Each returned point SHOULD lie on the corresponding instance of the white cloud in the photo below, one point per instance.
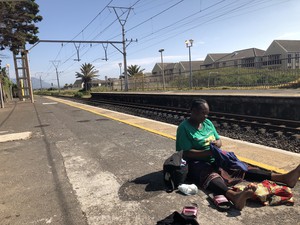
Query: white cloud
(289, 35)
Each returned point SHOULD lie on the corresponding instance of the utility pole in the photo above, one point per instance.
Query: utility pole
(39, 74)
(41, 82)
(55, 64)
(163, 69)
(126, 11)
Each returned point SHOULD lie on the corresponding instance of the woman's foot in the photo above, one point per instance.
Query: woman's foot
(239, 199)
(291, 178)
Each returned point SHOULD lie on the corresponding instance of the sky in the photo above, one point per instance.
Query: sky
(216, 26)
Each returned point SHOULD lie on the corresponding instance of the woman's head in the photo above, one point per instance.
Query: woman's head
(199, 110)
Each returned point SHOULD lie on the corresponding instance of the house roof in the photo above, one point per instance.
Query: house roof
(167, 66)
(216, 56)
(241, 54)
(78, 82)
(195, 64)
(96, 81)
(289, 45)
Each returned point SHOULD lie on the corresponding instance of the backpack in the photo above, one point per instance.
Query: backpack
(175, 170)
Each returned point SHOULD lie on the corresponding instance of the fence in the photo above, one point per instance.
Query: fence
(230, 74)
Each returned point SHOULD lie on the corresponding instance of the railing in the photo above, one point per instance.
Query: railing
(263, 74)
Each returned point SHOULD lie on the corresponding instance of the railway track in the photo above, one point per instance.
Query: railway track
(288, 127)
(277, 133)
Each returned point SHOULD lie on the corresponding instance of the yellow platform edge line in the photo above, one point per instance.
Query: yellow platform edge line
(249, 161)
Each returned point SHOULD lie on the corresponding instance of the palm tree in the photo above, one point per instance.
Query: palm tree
(134, 69)
(87, 73)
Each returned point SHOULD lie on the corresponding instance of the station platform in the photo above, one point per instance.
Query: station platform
(63, 162)
(268, 158)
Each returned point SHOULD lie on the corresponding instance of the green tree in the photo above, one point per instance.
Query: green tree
(87, 73)
(6, 83)
(17, 24)
(134, 69)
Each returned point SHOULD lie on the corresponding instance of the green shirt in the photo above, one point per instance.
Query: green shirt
(188, 137)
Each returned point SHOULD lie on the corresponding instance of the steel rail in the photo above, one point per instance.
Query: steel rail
(271, 124)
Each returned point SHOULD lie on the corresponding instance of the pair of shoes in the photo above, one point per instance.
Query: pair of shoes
(220, 201)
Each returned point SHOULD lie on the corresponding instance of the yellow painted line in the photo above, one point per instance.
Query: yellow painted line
(261, 165)
(249, 161)
(116, 119)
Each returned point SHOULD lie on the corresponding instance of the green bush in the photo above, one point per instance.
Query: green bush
(78, 94)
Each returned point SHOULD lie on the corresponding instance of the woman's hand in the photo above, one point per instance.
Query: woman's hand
(217, 143)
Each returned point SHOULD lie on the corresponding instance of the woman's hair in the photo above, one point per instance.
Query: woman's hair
(196, 103)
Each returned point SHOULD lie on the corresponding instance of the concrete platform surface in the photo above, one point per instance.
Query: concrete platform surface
(84, 165)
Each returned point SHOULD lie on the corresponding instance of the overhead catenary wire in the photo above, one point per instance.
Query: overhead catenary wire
(85, 28)
(100, 33)
(158, 36)
(96, 36)
(181, 31)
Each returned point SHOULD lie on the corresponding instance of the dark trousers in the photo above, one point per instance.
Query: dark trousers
(218, 186)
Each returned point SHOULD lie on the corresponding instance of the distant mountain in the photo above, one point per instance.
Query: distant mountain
(35, 82)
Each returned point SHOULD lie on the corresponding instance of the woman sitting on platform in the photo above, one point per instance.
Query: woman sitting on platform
(194, 136)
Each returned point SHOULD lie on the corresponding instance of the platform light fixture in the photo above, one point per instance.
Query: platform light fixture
(189, 44)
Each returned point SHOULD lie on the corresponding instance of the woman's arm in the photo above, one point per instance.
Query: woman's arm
(200, 154)
(196, 154)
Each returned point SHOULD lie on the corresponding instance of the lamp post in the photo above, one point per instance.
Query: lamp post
(120, 65)
(189, 44)
(162, 65)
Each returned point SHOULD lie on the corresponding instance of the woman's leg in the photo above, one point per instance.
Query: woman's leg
(290, 178)
(257, 175)
(218, 187)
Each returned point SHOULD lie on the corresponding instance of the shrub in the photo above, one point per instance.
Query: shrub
(78, 95)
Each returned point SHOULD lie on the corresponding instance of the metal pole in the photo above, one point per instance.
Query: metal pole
(123, 22)
(124, 58)
(191, 82)
(41, 82)
(57, 80)
(55, 64)
(120, 65)
(163, 69)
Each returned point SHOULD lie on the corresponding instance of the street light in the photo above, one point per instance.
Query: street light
(189, 44)
(162, 65)
(120, 65)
